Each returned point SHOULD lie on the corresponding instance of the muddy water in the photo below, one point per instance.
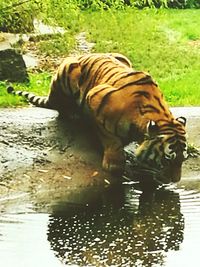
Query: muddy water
(111, 226)
(57, 208)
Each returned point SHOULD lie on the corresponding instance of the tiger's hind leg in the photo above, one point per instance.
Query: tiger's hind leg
(65, 86)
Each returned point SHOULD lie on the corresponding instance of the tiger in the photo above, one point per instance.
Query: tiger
(126, 105)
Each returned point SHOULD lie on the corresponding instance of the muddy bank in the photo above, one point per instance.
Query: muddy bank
(45, 158)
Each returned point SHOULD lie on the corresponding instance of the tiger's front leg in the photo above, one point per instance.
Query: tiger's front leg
(106, 119)
(114, 157)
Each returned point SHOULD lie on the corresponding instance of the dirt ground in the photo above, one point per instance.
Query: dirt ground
(45, 157)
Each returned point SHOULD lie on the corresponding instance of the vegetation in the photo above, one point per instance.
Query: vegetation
(164, 42)
(39, 84)
(17, 16)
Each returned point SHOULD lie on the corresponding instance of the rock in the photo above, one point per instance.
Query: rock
(12, 66)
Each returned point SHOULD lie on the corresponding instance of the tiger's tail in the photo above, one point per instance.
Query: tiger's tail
(37, 101)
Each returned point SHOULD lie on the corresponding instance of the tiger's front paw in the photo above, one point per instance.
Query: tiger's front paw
(113, 162)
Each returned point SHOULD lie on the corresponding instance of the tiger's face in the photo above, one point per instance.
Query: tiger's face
(164, 150)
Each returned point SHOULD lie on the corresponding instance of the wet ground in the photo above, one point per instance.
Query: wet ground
(58, 208)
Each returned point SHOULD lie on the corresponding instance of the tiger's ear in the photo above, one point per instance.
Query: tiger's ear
(182, 120)
(152, 128)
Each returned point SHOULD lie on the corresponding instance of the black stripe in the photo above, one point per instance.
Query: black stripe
(166, 132)
(86, 72)
(171, 139)
(144, 80)
(149, 150)
(120, 88)
(69, 85)
(122, 75)
(165, 121)
(142, 93)
(175, 138)
(25, 94)
(31, 98)
(180, 131)
(82, 57)
(149, 108)
(104, 100)
(20, 93)
(171, 131)
(83, 71)
(167, 115)
(72, 66)
(105, 87)
(173, 127)
(63, 76)
(92, 65)
(129, 74)
(112, 74)
(95, 75)
(100, 71)
(159, 102)
(36, 101)
(166, 127)
(167, 124)
(91, 83)
(88, 88)
(84, 62)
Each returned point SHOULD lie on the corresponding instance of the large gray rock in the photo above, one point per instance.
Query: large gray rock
(12, 66)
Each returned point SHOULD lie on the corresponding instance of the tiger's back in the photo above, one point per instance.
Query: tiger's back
(111, 88)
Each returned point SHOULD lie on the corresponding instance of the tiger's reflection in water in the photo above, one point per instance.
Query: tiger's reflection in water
(117, 226)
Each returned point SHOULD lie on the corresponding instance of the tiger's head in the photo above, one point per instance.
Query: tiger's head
(164, 149)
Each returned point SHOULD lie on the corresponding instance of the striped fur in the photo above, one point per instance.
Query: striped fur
(126, 105)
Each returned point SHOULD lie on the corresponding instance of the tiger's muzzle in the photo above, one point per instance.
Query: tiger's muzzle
(163, 170)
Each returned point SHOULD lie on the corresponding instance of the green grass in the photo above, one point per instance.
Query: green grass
(162, 42)
(39, 84)
(158, 41)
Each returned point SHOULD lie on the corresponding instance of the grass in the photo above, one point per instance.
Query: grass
(162, 42)
(39, 84)
(158, 41)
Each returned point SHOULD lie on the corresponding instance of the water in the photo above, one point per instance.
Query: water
(107, 226)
